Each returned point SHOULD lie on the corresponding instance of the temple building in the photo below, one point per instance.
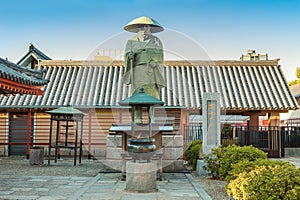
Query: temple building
(250, 88)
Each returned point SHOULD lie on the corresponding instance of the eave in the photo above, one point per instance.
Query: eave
(12, 87)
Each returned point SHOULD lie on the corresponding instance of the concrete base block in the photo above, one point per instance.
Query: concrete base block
(172, 165)
(168, 165)
(178, 141)
(113, 153)
(172, 141)
(199, 168)
(167, 140)
(173, 153)
(179, 165)
(141, 177)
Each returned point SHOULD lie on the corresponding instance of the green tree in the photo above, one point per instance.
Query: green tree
(294, 82)
(298, 72)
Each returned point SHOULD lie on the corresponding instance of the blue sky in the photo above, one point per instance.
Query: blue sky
(224, 29)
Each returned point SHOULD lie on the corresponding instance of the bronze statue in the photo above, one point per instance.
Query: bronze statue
(144, 59)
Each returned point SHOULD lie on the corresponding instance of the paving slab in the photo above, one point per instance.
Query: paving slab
(102, 186)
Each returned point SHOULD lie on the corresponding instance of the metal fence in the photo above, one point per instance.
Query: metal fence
(268, 139)
(272, 140)
(292, 136)
(192, 132)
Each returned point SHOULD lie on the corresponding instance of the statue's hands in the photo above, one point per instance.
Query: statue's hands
(153, 64)
(130, 55)
(138, 51)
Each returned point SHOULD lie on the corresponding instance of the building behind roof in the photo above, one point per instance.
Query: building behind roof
(252, 55)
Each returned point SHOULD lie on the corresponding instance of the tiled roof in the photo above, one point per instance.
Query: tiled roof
(16, 79)
(20, 74)
(295, 114)
(33, 53)
(244, 85)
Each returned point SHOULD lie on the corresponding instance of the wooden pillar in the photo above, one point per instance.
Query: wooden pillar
(28, 134)
(274, 119)
(120, 116)
(50, 139)
(184, 120)
(181, 128)
(81, 134)
(89, 134)
(254, 121)
(275, 143)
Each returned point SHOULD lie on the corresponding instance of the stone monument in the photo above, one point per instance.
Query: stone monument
(211, 127)
(211, 122)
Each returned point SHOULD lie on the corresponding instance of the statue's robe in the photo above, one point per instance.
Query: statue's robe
(148, 65)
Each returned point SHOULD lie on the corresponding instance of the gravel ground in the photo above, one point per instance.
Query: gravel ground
(215, 188)
(64, 167)
(20, 166)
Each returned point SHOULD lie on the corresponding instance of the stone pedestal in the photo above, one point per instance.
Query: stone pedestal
(169, 153)
(141, 177)
(172, 148)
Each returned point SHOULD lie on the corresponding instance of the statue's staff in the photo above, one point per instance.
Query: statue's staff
(131, 57)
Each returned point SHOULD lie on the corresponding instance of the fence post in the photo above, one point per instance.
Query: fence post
(282, 135)
(28, 134)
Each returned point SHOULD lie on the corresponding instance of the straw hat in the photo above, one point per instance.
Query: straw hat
(137, 23)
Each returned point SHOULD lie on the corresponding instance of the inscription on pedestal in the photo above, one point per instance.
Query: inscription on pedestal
(211, 122)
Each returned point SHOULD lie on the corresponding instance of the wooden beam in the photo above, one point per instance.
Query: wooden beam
(15, 87)
(274, 119)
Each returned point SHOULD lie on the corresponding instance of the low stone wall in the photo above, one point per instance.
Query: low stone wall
(97, 153)
(291, 152)
(4, 151)
(172, 149)
(113, 152)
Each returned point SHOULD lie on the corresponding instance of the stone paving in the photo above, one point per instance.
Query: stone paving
(103, 186)
(293, 160)
(98, 186)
